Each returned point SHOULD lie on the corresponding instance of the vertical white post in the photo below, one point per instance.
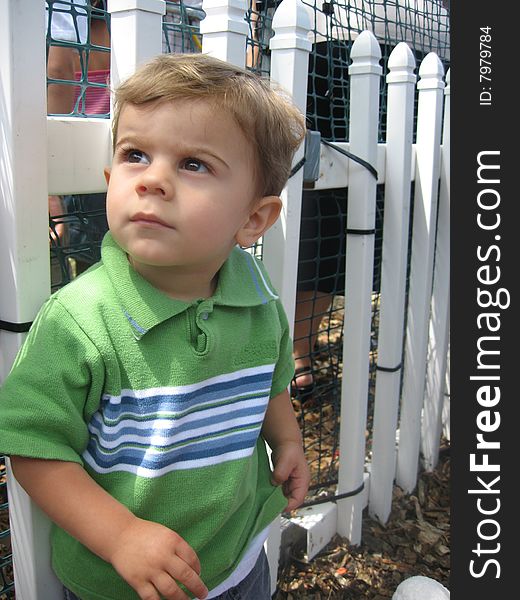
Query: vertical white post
(365, 75)
(429, 116)
(399, 138)
(135, 35)
(440, 308)
(224, 30)
(24, 257)
(289, 66)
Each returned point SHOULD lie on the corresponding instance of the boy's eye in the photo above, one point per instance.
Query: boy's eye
(137, 156)
(192, 164)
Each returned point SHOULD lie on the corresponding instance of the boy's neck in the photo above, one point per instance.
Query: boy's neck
(179, 283)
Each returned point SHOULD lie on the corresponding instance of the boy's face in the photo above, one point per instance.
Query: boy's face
(181, 186)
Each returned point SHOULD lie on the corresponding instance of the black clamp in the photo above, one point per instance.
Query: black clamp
(389, 369)
(328, 8)
(361, 231)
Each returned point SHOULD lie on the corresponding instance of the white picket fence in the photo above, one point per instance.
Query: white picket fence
(407, 424)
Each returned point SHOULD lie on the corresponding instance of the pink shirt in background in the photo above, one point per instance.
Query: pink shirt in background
(97, 99)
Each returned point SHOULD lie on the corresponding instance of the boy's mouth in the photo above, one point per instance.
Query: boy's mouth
(149, 219)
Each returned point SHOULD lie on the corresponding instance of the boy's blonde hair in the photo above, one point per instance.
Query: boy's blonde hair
(271, 123)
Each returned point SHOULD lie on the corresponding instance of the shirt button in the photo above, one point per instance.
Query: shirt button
(204, 316)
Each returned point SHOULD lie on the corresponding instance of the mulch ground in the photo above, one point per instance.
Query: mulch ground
(414, 541)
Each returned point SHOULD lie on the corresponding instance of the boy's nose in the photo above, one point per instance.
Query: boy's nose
(155, 180)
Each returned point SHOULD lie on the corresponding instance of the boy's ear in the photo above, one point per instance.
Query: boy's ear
(106, 171)
(263, 215)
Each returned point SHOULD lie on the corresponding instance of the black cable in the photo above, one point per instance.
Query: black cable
(334, 497)
(353, 157)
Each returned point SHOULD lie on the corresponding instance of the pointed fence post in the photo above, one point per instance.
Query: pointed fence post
(224, 30)
(429, 117)
(24, 259)
(289, 65)
(399, 138)
(135, 35)
(440, 308)
(365, 76)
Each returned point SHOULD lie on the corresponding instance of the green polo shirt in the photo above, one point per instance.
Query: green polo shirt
(161, 401)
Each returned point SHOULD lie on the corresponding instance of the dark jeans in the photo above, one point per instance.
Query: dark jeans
(256, 586)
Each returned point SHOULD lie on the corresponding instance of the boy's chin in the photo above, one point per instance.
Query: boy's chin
(144, 254)
(151, 262)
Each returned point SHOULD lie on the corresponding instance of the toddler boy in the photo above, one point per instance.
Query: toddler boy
(136, 412)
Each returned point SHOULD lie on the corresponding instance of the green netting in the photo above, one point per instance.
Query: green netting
(181, 26)
(78, 221)
(89, 48)
(77, 48)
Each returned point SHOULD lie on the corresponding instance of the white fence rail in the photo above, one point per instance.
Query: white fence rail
(404, 421)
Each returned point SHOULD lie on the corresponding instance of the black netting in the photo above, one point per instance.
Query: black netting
(320, 298)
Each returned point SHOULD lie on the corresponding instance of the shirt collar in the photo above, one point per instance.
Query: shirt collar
(242, 282)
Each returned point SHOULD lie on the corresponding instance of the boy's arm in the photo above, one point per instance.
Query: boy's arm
(147, 555)
(282, 432)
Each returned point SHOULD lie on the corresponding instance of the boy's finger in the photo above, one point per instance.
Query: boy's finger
(183, 573)
(148, 591)
(188, 555)
(281, 473)
(168, 588)
(292, 489)
(295, 496)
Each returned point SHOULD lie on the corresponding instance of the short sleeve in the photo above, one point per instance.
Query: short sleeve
(54, 385)
(284, 369)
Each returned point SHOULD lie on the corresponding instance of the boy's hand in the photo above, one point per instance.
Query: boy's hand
(282, 432)
(292, 472)
(148, 556)
(152, 559)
